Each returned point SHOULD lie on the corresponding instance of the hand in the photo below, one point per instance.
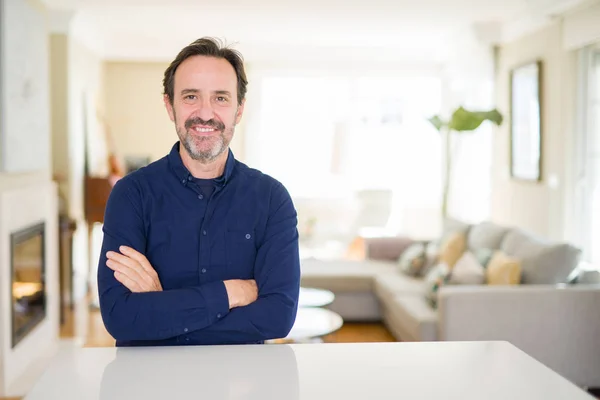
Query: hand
(133, 270)
(241, 292)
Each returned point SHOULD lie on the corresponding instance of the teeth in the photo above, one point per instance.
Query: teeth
(204, 129)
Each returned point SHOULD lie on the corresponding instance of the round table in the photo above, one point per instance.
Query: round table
(314, 323)
(311, 297)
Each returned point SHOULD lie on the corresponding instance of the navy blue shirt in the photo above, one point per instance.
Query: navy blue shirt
(246, 229)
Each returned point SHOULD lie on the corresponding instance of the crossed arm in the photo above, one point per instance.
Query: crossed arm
(135, 272)
(134, 306)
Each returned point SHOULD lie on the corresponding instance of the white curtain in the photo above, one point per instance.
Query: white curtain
(587, 160)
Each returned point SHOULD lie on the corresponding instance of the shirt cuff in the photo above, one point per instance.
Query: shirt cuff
(217, 301)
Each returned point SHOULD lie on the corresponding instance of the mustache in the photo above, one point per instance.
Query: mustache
(199, 121)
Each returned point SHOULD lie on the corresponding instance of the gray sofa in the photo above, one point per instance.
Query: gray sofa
(556, 323)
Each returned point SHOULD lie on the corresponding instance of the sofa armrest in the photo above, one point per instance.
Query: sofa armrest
(386, 248)
(557, 325)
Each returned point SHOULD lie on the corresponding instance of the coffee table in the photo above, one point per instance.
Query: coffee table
(349, 371)
(313, 323)
(312, 297)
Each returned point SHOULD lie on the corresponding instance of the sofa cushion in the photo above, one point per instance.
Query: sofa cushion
(503, 270)
(415, 317)
(542, 262)
(437, 277)
(413, 259)
(483, 256)
(388, 286)
(453, 248)
(342, 275)
(386, 248)
(467, 271)
(486, 235)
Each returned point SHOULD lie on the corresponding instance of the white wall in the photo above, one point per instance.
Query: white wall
(541, 208)
(135, 111)
(24, 130)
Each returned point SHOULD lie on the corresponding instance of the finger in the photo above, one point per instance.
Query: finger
(131, 263)
(139, 257)
(131, 273)
(123, 259)
(127, 282)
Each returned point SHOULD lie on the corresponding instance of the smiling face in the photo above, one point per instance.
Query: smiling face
(205, 107)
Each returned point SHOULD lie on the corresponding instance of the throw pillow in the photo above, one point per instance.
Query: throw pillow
(453, 248)
(484, 256)
(467, 271)
(412, 260)
(432, 254)
(503, 270)
(436, 278)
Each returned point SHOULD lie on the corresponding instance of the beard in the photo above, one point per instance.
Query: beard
(204, 149)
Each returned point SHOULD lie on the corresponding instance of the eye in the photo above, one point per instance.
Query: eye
(190, 97)
(222, 99)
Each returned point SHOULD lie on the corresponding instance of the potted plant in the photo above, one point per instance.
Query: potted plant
(462, 120)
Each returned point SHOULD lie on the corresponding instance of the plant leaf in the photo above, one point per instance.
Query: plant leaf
(464, 120)
(437, 122)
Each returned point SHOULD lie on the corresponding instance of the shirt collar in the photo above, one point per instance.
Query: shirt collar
(184, 176)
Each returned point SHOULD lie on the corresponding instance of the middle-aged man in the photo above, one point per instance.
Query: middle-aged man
(198, 247)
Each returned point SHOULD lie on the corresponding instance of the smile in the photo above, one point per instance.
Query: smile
(204, 130)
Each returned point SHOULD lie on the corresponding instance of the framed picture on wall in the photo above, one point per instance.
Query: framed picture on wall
(526, 122)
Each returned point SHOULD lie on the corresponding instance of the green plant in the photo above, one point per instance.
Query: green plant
(462, 120)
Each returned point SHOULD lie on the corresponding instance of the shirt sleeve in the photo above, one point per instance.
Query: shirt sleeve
(277, 274)
(151, 315)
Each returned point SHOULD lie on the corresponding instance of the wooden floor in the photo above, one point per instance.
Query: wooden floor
(95, 335)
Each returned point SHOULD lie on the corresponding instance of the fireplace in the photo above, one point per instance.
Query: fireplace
(28, 298)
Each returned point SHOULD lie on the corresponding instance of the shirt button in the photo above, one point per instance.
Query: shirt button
(200, 196)
(189, 178)
(183, 181)
(248, 236)
(219, 315)
(187, 339)
(185, 329)
(203, 270)
(204, 233)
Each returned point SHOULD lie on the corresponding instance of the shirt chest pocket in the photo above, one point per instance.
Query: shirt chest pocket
(241, 253)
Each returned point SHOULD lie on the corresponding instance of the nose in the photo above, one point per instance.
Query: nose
(205, 110)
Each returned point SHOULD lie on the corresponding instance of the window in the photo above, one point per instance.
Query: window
(334, 137)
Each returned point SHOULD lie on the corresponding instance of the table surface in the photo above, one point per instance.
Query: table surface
(416, 371)
(314, 323)
(312, 297)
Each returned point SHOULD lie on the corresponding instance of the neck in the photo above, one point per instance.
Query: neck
(213, 169)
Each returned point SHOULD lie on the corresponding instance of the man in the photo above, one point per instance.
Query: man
(198, 247)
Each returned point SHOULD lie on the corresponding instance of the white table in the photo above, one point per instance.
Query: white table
(419, 371)
(313, 297)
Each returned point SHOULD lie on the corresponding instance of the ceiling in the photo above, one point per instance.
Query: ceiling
(390, 30)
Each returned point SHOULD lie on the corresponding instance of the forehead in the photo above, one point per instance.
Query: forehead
(205, 73)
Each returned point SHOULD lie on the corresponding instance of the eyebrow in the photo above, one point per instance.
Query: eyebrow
(194, 91)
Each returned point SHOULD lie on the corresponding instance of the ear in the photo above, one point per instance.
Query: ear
(169, 107)
(239, 112)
